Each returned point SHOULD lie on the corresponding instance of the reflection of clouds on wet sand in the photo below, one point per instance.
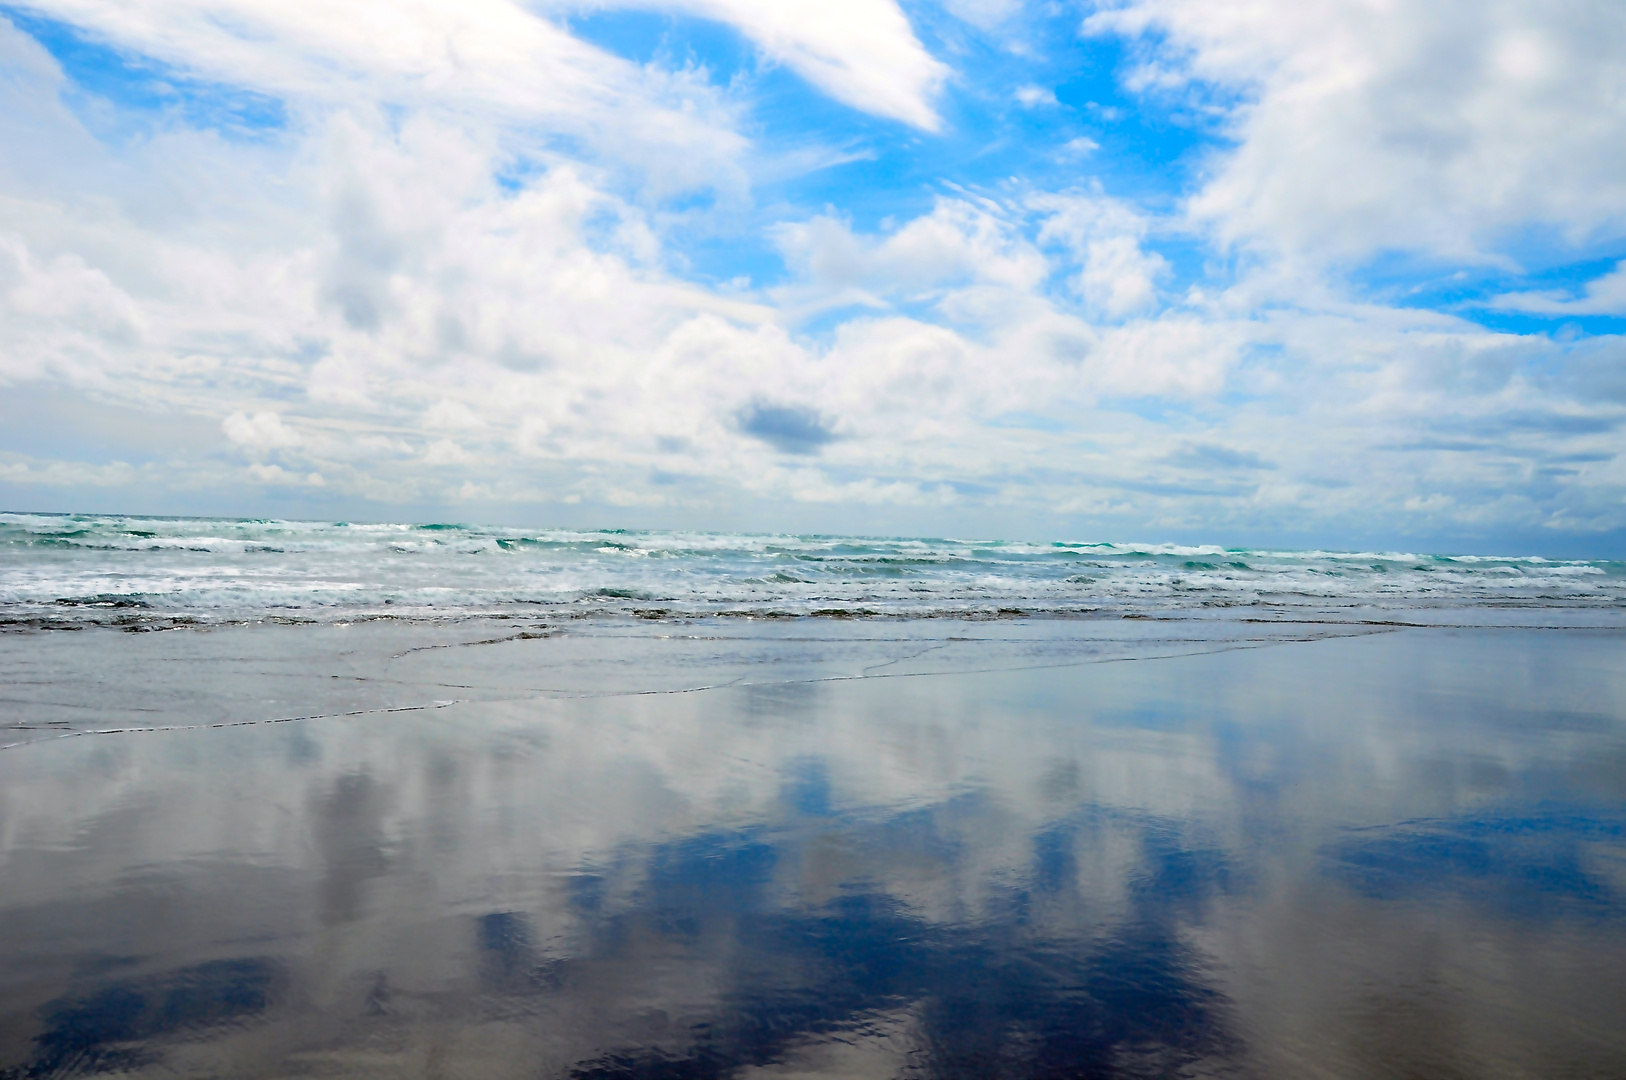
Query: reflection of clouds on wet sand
(1345, 858)
(1444, 980)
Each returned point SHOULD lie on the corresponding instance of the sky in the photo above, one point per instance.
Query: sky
(1288, 272)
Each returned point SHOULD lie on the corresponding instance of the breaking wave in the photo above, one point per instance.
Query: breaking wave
(73, 570)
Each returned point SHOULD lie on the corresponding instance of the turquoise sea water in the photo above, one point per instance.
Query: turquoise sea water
(78, 570)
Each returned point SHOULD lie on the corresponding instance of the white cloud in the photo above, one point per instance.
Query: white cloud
(1604, 295)
(490, 63)
(1440, 128)
(506, 61)
(376, 446)
(446, 452)
(18, 469)
(958, 243)
(277, 476)
(1117, 277)
(451, 415)
(501, 328)
(861, 52)
(1033, 97)
(985, 14)
(60, 315)
(262, 431)
(1172, 357)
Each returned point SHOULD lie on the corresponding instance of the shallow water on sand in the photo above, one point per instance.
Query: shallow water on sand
(755, 854)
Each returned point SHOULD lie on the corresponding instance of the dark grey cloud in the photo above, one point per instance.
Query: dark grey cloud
(790, 429)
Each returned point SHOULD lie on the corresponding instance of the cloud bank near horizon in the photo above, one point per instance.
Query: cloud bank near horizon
(1154, 266)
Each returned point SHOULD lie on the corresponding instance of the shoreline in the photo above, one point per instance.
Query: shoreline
(104, 682)
(262, 673)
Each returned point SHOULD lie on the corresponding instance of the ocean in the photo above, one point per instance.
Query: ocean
(72, 570)
(380, 800)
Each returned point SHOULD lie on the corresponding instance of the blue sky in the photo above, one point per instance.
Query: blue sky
(1316, 272)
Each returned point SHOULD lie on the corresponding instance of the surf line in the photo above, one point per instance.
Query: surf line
(234, 723)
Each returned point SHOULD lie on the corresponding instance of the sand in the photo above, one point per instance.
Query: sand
(874, 848)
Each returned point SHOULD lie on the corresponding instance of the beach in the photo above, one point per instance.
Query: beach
(1397, 851)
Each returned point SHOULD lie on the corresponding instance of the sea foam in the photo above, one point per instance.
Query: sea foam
(73, 570)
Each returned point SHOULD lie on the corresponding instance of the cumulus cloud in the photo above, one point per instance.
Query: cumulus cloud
(959, 243)
(1117, 277)
(1033, 97)
(276, 475)
(447, 452)
(1440, 128)
(262, 431)
(59, 314)
(1174, 356)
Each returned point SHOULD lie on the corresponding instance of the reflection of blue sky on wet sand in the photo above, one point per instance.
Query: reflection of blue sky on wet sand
(1362, 857)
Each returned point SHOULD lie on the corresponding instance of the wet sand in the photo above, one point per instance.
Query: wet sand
(873, 849)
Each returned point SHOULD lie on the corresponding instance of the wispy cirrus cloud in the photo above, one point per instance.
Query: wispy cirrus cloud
(1605, 295)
